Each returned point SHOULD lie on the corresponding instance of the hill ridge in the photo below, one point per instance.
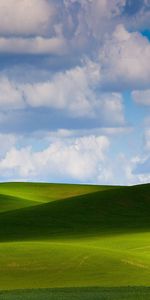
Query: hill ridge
(94, 213)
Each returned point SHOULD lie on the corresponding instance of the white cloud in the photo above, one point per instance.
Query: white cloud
(141, 166)
(7, 141)
(66, 156)
(141, 97)
(126, 170)
(112, 107)
(66, 133)
(10, 97)
(72, 91)
(91, 91)
(94, 18)
(25, 17)
(136, 169)
(37, 45)
(77, 20)
(124, 60)
(80, 159)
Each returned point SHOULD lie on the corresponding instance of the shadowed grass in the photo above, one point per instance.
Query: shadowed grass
(8, 203)
(130, 293)
(99, 213)
(101, 238)
(46, 192)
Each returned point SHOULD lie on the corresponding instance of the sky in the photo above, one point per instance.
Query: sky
(75, 91)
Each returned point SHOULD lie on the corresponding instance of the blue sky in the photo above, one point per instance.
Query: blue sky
(75, 91)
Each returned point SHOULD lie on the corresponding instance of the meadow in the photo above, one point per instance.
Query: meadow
(79, 294)
(74, 241)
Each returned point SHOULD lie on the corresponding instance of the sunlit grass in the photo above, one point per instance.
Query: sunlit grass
(98, 239)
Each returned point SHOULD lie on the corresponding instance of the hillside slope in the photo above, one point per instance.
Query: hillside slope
(101, 238)
(47, 192)
(8, 203)
(98, 213)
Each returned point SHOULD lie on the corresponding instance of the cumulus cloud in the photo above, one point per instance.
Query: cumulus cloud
(72, 91)
(85, 54)
(133, 170)
(71, 155)
(10, 97)
(142, 167)
(70, 133)
(25, 17)
(124, 58)
(91, 18)
(79, 159)
(7, 141)
(141, 97)
(112, 107)
(28, 27)
(75, 91)
(66, 157)
(37, 45)
(77, 21)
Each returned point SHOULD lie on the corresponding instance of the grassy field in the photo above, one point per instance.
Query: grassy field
(64, 236)
(137, 293)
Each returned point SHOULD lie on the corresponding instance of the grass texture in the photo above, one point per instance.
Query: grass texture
(74, 236)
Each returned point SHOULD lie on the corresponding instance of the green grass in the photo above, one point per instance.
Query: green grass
(122, 260)
(99, 213)
(94, 236)
(8, 203)
(45, 192)
(137, 293)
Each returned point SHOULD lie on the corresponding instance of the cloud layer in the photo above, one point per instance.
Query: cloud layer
(75, 90)
(124, 59)
(25, 17)
(80, 159)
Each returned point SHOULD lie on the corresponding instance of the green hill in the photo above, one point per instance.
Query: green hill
(74, 236)
(8, 203)
(99, 213)
(45, 192)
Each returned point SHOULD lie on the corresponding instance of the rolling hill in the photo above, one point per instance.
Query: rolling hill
(74, 236)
